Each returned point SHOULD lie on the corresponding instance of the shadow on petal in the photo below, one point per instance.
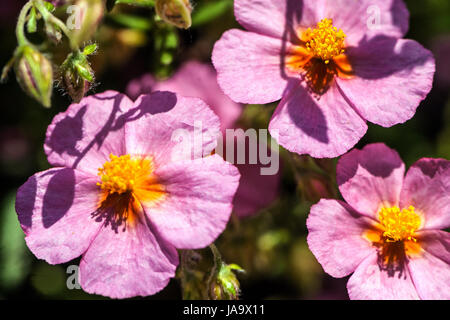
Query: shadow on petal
(308, 117)
(58, 197)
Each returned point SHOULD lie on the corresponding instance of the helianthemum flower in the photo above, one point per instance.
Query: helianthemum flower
(195, 79)
(388, 234)
(334, 64)
(122, 194)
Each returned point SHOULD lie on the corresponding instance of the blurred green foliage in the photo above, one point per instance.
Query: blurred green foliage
(14, 255)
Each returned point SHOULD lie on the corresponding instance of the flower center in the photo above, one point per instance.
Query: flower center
(325, 41)
(399, 224)
(120, 174)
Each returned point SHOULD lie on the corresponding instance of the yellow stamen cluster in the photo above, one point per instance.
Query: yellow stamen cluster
(399, 224)
(325, 41)
(119, 175)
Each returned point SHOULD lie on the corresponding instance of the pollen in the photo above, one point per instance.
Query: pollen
(325, 41)
(399, 224)
(120, 174)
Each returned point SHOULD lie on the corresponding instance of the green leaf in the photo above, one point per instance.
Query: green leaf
(31, 24)
(131, 21)
(85, 73)
(234, 266)
(49, 6)
(90, 49)
(210, 11)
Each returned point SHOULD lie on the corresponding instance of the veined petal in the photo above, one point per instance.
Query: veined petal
(336, 237)
(323, 127)
(198, 80)
(127, 263)
(197, 206)
(55, 210)
(277, 18)
(390, 79)
(172, 128)
(83, 136)
(365, 19)
(430, 271)
(427, 188)
(249, 67)
(370, 282)
(371, 178)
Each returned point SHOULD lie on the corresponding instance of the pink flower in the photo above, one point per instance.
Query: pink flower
(333, 63)
(193, 79)
(122, 196)
(199, 80)
(388, 233)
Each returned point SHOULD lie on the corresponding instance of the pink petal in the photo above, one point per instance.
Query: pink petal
(371, 178)
(256, 191)
(436, 243)
(277, 18)
(369, 282)
(368, 18)
(197, 206)
(336, 237)
(83, 136)
(427, 188)
(142, 85)
(323, 128)
(431, 271)
(258, 186)
(391, 78)
(172, 127)
(54, 209)
(122, 264)
(249, 67)
(195, 79)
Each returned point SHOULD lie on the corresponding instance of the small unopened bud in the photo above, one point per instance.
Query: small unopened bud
(225, 285)
(77, 75)
(34, 73)
(176, 12)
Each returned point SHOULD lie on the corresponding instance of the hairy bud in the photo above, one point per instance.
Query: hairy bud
(224, 284)
(77, 75)
(34, 73)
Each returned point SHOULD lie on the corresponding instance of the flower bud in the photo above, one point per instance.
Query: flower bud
(225, 285)
(77, 75)
(34, 73)
(85, 16)
(176, 12)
